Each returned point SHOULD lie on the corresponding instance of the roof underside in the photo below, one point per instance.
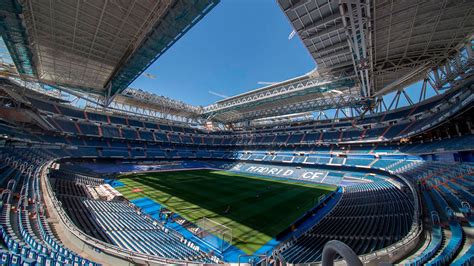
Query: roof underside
(319, 25)
(363, 48)
(410, 35)
(402, 37)
(99, 46)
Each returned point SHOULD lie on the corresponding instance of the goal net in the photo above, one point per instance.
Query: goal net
(215, 234)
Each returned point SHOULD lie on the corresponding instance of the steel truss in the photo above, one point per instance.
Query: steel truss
(150, 113)
(357, 24)
(142, 106)
(164, 103)
(95, 102)
(324, 103)
(346, 103)
(283, 91)
(449, 74)
(386, 44)
(367, 50)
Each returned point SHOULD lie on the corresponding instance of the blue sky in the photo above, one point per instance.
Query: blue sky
(239, 43)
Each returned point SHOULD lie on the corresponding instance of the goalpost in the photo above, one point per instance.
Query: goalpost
(215, 234)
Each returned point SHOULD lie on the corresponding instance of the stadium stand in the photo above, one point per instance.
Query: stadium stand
(436, 181)
(386, 129)
(72, 194)
(127, 229)
(24, 230)
(371, 207)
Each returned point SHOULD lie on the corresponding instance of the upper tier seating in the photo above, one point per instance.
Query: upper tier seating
(94, 123)
(358, 161)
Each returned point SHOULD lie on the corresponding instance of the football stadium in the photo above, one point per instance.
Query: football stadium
(367, 159)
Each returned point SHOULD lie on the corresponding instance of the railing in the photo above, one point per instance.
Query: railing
(410, 238)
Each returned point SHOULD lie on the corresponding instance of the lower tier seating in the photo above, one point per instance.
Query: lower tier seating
(446, 189)
(130, 230)
(367, 218)
(24, 231)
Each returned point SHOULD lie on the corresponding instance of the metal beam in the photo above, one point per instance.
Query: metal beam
(318, 34)
(357, 19)
(320, 23)
(330, 48)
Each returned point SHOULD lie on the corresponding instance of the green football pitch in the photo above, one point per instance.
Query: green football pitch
(255, 208)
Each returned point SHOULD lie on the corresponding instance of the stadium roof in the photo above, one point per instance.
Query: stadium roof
(99, 46)
(363, 49)
(387, 44)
